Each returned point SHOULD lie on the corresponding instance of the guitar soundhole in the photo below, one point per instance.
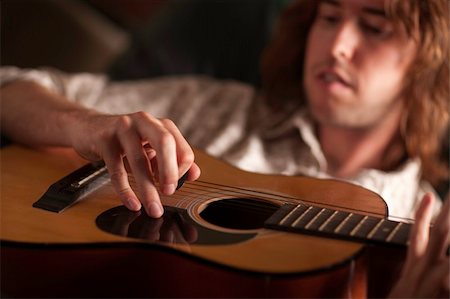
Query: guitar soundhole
(238, 213)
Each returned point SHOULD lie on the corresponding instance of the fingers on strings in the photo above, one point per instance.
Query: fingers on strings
(154, 151)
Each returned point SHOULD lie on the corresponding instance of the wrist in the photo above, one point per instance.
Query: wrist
(77, 125)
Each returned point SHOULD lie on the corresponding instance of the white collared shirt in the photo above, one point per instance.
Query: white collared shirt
(229, 120)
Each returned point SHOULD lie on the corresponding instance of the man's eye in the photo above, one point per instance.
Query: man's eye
(371, 29)
(331, 19)
(375, 31)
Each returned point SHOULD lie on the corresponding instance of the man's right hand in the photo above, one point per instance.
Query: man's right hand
(152, 149)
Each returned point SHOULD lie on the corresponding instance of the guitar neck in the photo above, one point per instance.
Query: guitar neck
(305, 219)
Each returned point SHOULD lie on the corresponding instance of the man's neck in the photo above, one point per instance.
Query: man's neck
(350, 150)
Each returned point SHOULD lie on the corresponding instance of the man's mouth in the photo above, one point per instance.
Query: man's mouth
(334, 77)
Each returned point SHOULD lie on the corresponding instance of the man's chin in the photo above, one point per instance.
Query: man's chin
(337, 120)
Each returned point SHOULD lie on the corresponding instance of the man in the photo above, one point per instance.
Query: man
(372, 70)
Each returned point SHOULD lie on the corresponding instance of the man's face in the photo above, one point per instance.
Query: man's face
(355, 63)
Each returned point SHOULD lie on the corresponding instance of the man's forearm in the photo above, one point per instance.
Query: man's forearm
(32, 115)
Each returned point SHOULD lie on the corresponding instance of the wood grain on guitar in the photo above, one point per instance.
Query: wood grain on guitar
(211, 241)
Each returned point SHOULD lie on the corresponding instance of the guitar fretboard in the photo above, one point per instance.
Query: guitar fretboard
(338, 224)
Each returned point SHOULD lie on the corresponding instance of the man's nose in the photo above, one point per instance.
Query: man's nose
(346, 41)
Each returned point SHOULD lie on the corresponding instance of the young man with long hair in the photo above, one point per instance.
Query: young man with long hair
(352, 89)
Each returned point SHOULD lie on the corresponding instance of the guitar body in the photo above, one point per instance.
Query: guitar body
(96, 248)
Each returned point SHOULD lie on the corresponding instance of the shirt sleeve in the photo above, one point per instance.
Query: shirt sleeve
(79, 87)
(211, 114)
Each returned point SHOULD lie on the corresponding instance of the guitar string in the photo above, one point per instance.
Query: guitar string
(294, 200)
(251, 204)
(181, 197)
(242, 192)
(225, 191)
(231, 191)
(251, 207)
(280, 198)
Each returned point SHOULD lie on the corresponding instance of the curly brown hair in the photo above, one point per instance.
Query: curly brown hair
(426, 88)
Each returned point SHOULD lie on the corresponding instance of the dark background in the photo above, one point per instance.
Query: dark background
(139, 38)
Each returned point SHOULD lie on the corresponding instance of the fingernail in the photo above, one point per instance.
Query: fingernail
(168, 189)
(133, 204)
(155, 210)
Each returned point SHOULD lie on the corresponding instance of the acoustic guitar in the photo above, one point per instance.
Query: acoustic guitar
(64, 233)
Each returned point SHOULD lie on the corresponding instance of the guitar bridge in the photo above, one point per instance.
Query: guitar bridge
(73, 187)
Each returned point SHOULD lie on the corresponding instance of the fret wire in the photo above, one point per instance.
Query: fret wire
(372, 232)
(366, 227)
(353, 232)
(393, 232)
(289, 214)
(343, 222)
(314, 218)
(301, 216)
(327, 221)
